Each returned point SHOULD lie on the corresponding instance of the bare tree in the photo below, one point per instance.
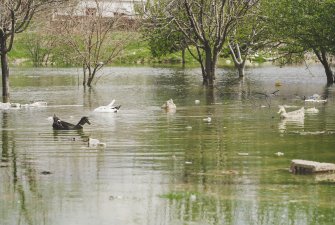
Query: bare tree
(245, 39)
(95, 34)
(15, 16)
(205, 24)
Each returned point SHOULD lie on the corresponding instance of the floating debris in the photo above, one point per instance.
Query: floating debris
(229, 172)
(243, 153)
(207, 119)
(193, 197)
(8, 105)
(311, 132)
(279, 153)
(46, 173)
(95, 143)
(315, 98)
(278, 84)
(299, 166)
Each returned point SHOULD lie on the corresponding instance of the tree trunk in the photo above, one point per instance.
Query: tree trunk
(210, 69)
(322, 56)
(4, 70)
(89, 81)
(329, 73)
(240, 68)
(183, 57)
(84, 73)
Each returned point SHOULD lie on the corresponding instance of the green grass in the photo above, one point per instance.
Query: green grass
(136, 52)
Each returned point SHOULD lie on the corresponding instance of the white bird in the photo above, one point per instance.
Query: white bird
(108, 108)
(297, 114)
(197, 102)
(169, 105)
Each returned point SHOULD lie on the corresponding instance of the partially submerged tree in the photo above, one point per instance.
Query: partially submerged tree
(304, 26)
(247, 37)
(15, 16)
(204, 23)
(95, 35)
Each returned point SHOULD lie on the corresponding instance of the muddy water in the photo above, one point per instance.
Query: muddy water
(166, 167)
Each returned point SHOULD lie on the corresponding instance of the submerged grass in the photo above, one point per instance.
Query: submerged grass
(179, 195)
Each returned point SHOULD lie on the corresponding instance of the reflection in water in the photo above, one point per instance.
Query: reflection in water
(4, 152)
(160, 167)
(295, 122)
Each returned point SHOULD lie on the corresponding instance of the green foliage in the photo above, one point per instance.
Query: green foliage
(163, 42)
(18, 50)
(301, 25)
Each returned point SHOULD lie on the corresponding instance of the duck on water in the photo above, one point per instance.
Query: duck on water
(62, 125)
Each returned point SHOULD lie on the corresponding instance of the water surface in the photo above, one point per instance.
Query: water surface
(166, 167)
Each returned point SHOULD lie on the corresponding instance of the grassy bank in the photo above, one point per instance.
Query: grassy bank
(135, 53)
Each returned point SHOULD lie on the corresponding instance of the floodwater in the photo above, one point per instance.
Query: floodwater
(167, 168)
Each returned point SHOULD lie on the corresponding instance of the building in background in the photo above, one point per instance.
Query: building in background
(106, 8)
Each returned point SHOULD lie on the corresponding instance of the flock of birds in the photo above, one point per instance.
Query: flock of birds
(300, 113)
(59, 124)
(168, 106)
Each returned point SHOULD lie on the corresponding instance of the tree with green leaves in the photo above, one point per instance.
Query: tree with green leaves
(162, 41)
(303, 26)
(205, 25)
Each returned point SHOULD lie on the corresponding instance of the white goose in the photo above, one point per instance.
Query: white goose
(108, 108)
(297, 114)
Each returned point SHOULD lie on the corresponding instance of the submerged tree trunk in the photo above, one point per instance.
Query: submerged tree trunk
(183, 57)
(238, 58)
(322, 56)
(209, 68)
(89, 80)
(4, 69)
(329, 74)
(5, 78)
(84, 74)
(240, 68)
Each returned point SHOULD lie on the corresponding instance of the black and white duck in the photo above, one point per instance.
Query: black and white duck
(62, 125)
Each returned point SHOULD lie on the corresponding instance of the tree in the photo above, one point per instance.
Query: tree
(247, 37)
(205, 25)
(162, 38)
(95, 36)
(304, 26)
(15, 16)
(162, 41)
